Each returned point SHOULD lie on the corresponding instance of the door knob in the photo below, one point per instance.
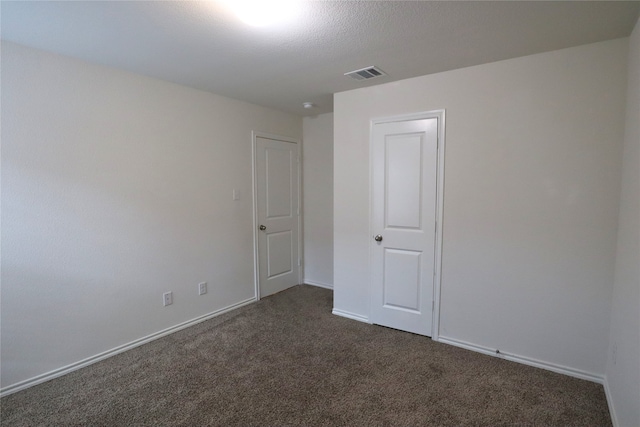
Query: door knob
(262, 228)
(378, 238)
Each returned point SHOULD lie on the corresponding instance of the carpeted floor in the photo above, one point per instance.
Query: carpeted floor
(287, 360)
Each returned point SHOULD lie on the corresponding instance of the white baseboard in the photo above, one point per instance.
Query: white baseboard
(318, 284)
(525, 360)
(351, 316)
(120, 349)
(612, 409)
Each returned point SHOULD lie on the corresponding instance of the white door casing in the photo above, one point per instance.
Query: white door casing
(405, 209)
(277, 213)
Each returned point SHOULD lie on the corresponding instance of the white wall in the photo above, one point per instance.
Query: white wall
(623, 363)
(532, 179)
(117, 188)
(318, 199)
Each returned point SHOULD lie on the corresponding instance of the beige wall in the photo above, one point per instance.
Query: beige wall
(115, 189)
(532, 179)
(317, 163)
(623, 363)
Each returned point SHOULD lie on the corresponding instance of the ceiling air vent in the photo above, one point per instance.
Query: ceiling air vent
(366, 73)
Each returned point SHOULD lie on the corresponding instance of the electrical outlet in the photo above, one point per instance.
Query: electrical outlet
(202, 288)
(167, 298)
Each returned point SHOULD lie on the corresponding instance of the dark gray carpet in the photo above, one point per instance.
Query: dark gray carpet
(287, 360)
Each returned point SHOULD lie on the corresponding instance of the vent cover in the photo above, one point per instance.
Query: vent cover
(366, 73)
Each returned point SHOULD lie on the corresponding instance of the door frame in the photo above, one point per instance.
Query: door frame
(254, 159)
(437, 265)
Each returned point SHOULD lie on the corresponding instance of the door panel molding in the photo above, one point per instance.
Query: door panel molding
(440, 174)
(406, 150)
(278, 267)
(406, 263)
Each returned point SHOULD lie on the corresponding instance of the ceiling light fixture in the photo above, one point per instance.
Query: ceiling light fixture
(261, 13)
(308, 105)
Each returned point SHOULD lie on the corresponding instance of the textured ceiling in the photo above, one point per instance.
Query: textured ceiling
(201, 44)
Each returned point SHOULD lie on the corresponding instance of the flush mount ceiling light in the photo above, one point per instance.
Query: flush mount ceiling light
(262, 13)
(308, 105)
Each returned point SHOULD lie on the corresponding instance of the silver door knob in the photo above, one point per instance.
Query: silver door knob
(378, 238)
(262, 228)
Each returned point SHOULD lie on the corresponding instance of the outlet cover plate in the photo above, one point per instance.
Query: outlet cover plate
(167, 298)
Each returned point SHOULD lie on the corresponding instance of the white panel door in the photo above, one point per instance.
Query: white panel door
(404, 214)
(277, 215)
